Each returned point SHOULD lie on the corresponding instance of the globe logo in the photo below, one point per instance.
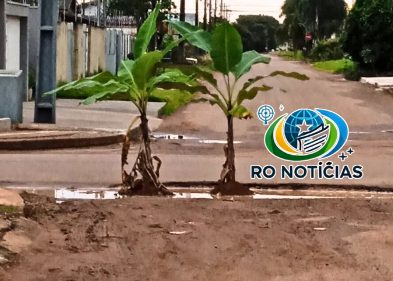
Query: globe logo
(299, 123)
(306, 135)
(265, 113)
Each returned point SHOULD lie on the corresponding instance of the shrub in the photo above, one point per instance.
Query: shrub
(327, 51)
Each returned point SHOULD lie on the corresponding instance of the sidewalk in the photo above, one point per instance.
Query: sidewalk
(105, 115)
(103, 123)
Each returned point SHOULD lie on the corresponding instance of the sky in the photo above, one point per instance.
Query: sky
(243, 7)
(240, 7)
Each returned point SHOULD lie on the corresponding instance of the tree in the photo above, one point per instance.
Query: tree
(323, 17)
(368, 33)
(320, 17)
(257, 32)
(226, 50)
(292, 29)
(135, 81)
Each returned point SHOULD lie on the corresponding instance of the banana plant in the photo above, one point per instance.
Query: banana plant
(135, 81)
(226, 50)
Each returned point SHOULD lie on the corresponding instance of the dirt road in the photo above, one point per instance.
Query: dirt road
(280, 240)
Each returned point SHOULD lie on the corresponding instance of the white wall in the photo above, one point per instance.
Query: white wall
(13, 43)
(91, 11)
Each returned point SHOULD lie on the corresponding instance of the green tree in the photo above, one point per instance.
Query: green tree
(368, 33)
(292, 29)
(323, 17)
(135, 81)
(257, 32)
(320, 17)
(226, 50)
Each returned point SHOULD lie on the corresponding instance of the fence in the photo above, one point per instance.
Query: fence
(83, 50)
(118, 46)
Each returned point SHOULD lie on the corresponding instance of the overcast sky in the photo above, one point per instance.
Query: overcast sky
(239, 7)
(243, 7)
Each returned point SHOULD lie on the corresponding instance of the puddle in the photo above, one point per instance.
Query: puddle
(64, 194)
(173, 137)
(218, 142)
(271, 196)
(360, 133)
(189, 195)
(320, 194)
(183, 137)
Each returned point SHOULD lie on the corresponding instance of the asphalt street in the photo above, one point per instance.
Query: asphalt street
(368, 113)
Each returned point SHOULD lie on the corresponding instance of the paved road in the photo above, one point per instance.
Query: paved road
(182, 161)
(364, 109)
(368, 113)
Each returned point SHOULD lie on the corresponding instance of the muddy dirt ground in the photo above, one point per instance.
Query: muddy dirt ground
(130, 239)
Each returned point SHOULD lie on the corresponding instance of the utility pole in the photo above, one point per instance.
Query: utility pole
(104, 4)
(76, 11)
(210, 15)
(317, 22)
(98, 12)
(180, 50)
(205, 17)
(182, 10)
(221, 9)
(45, 107)
(215, 12)
(3, 31)
(152, 44)
(196, 12)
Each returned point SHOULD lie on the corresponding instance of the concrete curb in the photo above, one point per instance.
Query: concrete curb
(5, 124)
(79, 139)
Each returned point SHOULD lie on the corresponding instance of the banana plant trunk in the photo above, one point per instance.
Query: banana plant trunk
(150, 176)
(231, 175)
(144, 178)
(146, 136)
(228, 184)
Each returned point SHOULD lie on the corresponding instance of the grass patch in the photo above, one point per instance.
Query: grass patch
(298, 56)
(335, 66)
(6, 209)
(174, 99)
